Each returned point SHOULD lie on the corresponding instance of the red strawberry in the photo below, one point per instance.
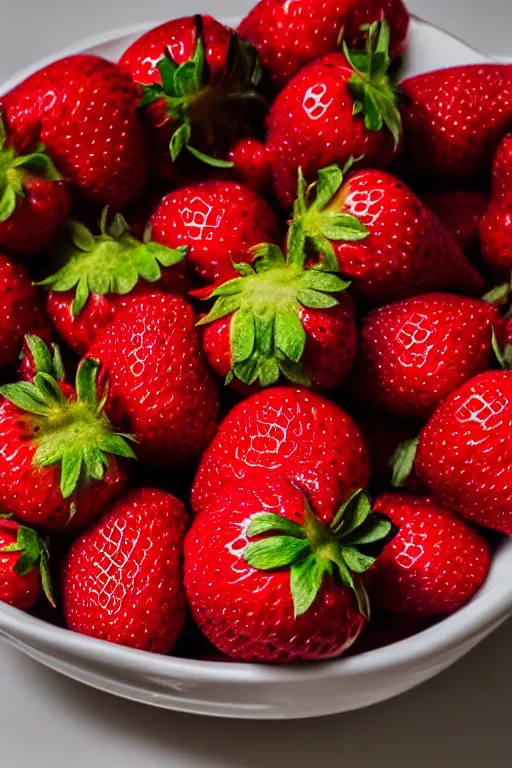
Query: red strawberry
(460, 210)
(159, 387)
(84, 109)
(24, 568)
(292, 432)
(334, 110)
(252, 164)
(455, 118)
(58, 465)
(496, 225)
(380, 236)
(220, 221)
(200, 88)
(34, 201)
(280, 319)
(96, 276)
(434, 565)
(21, 310)
(465, 456)
(413, 353)
(122, 578)
(267, 581)
(290, 33)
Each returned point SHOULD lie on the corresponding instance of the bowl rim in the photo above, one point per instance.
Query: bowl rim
(470, 623)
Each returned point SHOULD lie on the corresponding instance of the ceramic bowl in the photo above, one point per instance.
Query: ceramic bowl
(259, 691)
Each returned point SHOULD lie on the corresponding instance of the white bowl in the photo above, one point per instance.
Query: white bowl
(258, 691)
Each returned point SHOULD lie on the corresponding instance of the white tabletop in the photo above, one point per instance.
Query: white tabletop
(461, 719)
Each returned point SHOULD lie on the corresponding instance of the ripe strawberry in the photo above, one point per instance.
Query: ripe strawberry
(96, 275)
(455, 118)
(122, 578)
(58, 465)
(289, 34)
(464, 455)
(340, 107)
(252, 164)
(380, 236)
(280, 319)
(460, 210)
(199, 82)
(21, 310)
(24, 567)
(434, 565)
(158, 386)
(84, 109)
(413, 353)
(267, 581)
(291, 432)
(34, 201)
(496, 225)
(220, 221)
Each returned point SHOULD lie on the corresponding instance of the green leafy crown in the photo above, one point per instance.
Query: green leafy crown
(72, 430)
(46, 359)
(33, 553)
(111, 262)
(313, 551)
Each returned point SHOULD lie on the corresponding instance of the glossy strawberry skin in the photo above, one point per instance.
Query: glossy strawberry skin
(122, 578)
(86, 110)
(460, 210)
(331, 343)
(464, 455)
(248, 614)
(291, 432)
(21, 310)
(456, 119)
(289, 35)
(311, 125)
(219, 221)
(38, 216)
(434, 565)
(159, 388)
(253, 164)
(408, 251)
(414, 353)
(496, 225)
(21, 592)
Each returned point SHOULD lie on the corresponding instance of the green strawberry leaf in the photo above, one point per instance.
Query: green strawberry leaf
(243, 335)
(352, 513)
(179, 140)
(214, 162)
(306, 577)
(7, 203)
(289, 335)
(342, 226)
(267, 522)
(294, 372)
(315, 299)
(403, 461)
(275, 552)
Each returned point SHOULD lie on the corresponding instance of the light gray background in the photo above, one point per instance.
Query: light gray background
(461, 719)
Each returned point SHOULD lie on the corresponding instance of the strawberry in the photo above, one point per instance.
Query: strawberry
(434, 565)
(267, 581)
(199, 83)
(34, 201)
(454, 119)
(380, 236)
(58, 465)
(219, 221)
(21, 310)
(158, 384)
(292, 432)
(252, 164)
(463, 455)
(84, 109)
(280, 319)
(413, 353)
(24, 566)
(496, 225)
(288, 34)
(121, 579)
(460, 210)
(96, 274)
(339, 107)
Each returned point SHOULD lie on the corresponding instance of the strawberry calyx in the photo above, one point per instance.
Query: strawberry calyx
(313, 550)
(267, 337)
(16, 170)
(376, 98)
(34, 553)
(198, 104)
(111, 262)
(403, 460)
(45, 359)
(317, 221)
(69, 428)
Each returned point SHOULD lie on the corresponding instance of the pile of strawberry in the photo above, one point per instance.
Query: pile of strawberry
(262, 327)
